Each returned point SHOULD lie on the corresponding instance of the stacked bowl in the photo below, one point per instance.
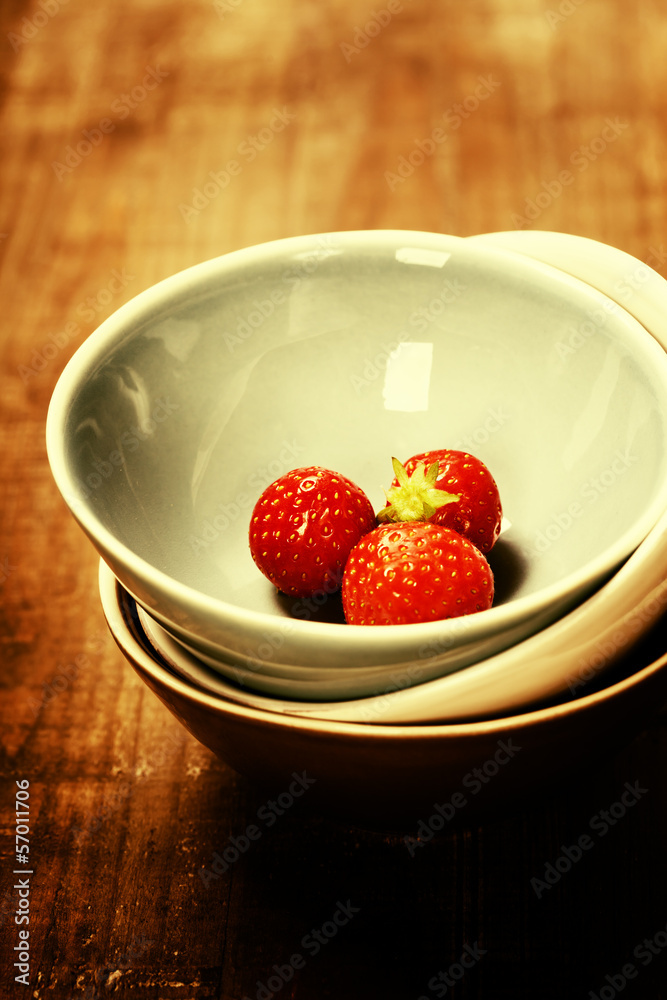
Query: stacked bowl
(542, 354)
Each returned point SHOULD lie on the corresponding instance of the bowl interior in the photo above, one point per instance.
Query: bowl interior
(344, 350)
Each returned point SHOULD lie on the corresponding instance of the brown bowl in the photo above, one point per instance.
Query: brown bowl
(407, 775)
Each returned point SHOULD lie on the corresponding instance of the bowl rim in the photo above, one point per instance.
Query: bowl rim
(114, 598)
(194, 603)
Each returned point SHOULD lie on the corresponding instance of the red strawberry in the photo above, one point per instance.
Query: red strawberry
(459, 493)
(303, 528)
(414, 572)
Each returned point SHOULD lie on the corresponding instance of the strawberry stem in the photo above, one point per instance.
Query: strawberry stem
(416, 498)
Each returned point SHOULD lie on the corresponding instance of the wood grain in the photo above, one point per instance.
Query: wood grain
(125, 806)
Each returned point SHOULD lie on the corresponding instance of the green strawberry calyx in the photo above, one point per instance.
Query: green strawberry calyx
(416, 498)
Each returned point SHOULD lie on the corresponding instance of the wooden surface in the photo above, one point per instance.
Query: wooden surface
(553, 116)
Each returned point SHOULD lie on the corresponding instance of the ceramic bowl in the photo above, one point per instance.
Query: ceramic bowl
(343, 350)
(420, 778)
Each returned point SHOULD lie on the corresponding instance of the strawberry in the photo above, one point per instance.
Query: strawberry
(303, 527)
(414, 572)
(451, 488)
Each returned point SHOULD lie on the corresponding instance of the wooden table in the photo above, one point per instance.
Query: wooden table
(140, 138)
